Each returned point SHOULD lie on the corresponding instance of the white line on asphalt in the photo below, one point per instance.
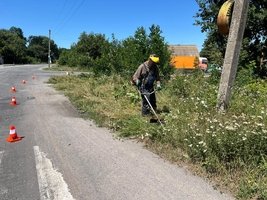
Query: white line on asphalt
(51, 183)
(3, 189)
(1, 156)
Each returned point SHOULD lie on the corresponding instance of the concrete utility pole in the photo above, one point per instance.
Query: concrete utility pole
(231, 58)
(49, 51)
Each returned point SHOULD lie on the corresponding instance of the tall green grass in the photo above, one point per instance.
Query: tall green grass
(231, 147)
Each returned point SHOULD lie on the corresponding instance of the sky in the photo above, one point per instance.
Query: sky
(67, 19)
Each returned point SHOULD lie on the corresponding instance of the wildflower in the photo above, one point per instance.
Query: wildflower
(244, 138)
(245, 123)
(215, 120)
(230, 128)
(259, 124)
(190, 145)
(260, 117)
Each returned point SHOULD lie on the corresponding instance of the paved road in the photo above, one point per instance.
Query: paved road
(65, 157)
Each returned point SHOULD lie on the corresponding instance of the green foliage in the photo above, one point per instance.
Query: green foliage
(254, 37)
(12, 46)
(98, 54)
(38, 48)
(231, 144)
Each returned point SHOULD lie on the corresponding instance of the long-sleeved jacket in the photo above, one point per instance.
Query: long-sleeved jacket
(143, 71)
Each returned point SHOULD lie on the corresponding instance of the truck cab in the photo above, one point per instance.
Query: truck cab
(203, 63)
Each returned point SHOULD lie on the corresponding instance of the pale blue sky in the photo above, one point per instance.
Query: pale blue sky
(67, 19)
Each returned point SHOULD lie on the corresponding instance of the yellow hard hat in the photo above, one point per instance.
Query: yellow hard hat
(154, 58)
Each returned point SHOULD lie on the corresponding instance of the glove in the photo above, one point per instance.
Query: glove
(158, 86)
(138, 82)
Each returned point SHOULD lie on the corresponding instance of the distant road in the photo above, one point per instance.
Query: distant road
(63, 156)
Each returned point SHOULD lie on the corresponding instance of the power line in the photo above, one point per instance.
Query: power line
(72, 12)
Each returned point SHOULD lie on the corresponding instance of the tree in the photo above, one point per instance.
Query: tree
(38, 48)
(92, 45)
(159, 47)
(254, 36)
(12, 46)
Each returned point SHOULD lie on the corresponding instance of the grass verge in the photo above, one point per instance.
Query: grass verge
(228, 148)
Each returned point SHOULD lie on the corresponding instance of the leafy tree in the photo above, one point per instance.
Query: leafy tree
(92, 45)
(159, 47)
(38, 48)
(12, 46)
(18, 32)
(254, 36)
(97, 53)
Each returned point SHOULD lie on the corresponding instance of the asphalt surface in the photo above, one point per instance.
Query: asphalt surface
(63, 156)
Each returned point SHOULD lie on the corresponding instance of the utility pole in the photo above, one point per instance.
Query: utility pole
(231, 58)
(49, 51)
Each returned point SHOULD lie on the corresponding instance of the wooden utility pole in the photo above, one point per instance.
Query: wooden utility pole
(231, 57)
(49, 51)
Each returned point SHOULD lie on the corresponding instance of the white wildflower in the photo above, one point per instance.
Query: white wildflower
(259, 124)
(230, 128)
(260, 117)
(215, 120)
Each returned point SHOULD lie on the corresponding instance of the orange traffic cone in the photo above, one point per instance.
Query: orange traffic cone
(13, 137)
(13, 89)
(23, 81)
(13, 101)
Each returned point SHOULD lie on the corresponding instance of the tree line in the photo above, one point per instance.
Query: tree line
(17, 49)
(102, 55)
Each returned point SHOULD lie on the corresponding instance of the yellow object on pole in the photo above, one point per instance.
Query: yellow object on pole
(224, 17)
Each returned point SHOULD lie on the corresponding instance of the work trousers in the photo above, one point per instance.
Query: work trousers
(146, 110)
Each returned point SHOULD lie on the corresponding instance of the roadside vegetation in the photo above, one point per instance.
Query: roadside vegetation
(229, 148)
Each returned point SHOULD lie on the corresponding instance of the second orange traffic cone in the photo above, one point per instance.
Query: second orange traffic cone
(13, 89)
(13, 101)
(13, 137)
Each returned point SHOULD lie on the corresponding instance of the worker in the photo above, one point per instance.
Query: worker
(144, 78)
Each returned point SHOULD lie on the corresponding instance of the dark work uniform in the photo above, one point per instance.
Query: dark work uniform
(147, 76)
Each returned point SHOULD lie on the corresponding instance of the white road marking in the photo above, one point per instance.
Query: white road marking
(3, 190)
(51, 183)
(1, 156)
